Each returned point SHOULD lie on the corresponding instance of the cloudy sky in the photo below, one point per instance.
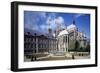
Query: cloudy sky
(40, 21)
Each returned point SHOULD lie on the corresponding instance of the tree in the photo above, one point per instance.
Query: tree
(81, 49)
(88, 48)
(72, 45)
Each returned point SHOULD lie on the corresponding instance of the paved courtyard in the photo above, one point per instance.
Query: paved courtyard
(58, 57)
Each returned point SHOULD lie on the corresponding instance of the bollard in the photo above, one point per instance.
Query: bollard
(73, 57)
(32, 58)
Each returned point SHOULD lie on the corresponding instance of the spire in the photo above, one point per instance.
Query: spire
(50, 30)
(74, 22)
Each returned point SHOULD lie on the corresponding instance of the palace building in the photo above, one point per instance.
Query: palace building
(39, 43)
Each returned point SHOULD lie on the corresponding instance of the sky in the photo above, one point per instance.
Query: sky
(40, 21)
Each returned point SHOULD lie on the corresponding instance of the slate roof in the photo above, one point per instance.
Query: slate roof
(33, 32)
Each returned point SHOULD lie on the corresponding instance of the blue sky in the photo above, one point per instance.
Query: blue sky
(40, 20)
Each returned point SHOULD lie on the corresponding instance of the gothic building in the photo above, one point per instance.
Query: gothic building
(63, 41)
(52, 42)
(70, 35)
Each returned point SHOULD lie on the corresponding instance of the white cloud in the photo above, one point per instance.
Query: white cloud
(49, 20)
(53, 22)
(43, 14)
(35, 27)
(59, 20)
(33, 19)
(43, 26)
(78, 15)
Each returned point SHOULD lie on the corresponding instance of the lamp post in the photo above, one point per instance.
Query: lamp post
(34, 51)
(35, 47)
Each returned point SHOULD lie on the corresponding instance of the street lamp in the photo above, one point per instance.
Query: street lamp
(35, 47)
(34, 51)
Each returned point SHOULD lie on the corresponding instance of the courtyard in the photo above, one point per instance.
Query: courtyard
(57, 56)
